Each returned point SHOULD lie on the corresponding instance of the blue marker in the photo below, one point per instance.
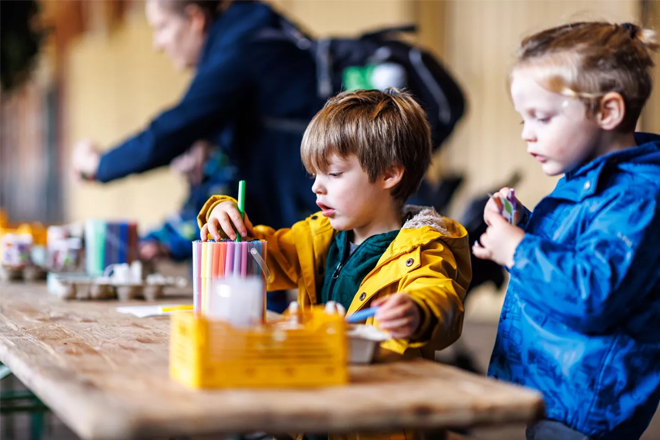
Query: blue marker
(362, 315)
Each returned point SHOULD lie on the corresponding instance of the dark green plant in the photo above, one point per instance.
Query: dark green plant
(20, 38)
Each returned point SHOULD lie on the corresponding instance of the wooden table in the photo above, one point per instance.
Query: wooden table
(105, 374)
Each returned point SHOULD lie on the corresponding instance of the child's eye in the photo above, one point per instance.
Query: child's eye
(334, 174)
(543, 120)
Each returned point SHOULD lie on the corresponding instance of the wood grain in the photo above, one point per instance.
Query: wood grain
(105, 374)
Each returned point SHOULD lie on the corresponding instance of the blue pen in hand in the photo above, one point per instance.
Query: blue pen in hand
(361, 315)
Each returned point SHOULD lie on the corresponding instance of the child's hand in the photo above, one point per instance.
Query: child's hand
(500, 240)
(398, 314)
(227, 216)
(495, 205)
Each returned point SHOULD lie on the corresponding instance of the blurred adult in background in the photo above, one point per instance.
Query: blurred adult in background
(259, 93)
(205, 168)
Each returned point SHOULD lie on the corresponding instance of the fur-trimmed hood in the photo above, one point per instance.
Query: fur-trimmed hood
(419, 216)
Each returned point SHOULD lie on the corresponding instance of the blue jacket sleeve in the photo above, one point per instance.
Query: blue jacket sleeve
(608, 271)
(204, 109)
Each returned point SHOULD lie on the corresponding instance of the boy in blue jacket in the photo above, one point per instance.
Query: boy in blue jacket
(580, 322)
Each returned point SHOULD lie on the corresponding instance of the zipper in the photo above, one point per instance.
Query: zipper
(342, 263)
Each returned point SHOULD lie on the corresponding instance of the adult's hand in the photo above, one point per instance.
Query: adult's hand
(85, 160)
(151, 250)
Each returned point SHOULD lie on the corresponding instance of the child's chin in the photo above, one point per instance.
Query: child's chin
(552, 170)
(338, 225)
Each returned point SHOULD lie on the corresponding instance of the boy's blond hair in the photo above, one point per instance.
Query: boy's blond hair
(382, 128)
(590, 59)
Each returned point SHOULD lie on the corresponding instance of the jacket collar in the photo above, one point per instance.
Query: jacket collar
(584, 181)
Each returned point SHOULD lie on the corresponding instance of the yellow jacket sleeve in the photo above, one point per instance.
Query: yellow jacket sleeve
(438, 287)
(212, 202)
(281, 254)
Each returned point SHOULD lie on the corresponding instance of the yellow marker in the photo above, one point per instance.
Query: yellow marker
(176, 308)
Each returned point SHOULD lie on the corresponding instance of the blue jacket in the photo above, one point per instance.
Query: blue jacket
(264, 90)
(581, 318)
(181, 228)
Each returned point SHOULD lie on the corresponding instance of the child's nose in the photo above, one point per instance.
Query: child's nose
(317, 187)
(527, 134)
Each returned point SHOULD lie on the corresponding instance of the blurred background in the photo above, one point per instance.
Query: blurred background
(95, 75)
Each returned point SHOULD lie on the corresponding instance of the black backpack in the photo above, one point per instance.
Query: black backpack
(379, 57)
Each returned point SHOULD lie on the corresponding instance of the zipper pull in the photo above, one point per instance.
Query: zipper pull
(337, 270)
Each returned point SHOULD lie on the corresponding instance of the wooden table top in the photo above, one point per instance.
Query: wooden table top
(105, 374)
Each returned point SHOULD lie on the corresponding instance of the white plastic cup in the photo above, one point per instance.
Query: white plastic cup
(238, 301)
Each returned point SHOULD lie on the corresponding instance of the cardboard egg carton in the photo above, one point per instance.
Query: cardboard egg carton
(27, 273)
(83, 287)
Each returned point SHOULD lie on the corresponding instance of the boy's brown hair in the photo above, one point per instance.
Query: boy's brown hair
(382, 128)
(590, 59)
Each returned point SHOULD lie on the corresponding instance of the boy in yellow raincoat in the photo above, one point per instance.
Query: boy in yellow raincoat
(368, 152)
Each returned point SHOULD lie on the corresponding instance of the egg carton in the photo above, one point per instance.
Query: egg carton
(364, 343)
(82, 287)
(26, 273)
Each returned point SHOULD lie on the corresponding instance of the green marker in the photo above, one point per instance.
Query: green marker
(241, 204)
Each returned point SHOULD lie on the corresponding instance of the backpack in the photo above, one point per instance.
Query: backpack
(377, 60)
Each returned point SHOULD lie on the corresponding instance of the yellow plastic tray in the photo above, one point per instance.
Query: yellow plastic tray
(214, 354)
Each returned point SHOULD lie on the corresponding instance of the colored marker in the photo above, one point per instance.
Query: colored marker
(176, 308)
(241, 204)
(362, 315)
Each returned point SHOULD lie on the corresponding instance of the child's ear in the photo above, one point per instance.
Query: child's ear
(392, 176)
(196, 17)
(612, 111)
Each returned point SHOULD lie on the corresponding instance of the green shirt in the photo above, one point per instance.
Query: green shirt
(345, 270)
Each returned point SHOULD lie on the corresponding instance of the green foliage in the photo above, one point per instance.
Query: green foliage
(19, 41)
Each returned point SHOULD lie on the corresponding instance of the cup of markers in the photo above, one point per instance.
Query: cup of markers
(228, 269)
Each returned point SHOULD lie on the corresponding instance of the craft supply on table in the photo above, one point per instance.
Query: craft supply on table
(22, 252)
(237, 300)
(65, 247)
(120, 281)
(108, 243)
(207, 353)
(153, 310)
(217, 260)
(361, 315)
(364, 343)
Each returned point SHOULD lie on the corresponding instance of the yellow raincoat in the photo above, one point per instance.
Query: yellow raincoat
(429, 260)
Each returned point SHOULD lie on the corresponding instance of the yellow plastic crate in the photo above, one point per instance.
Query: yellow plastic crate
(214, 354)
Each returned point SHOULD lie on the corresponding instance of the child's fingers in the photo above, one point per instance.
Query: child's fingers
(236, 218)
(390, 301)
(390, 315)
(403, 333)
(491, 216)
(203, 235)
(213, 224)
(397, 324)
(394, 307)
(227, 226)
(249, 226)
(480, 252)
(504, 192)
(493, 206)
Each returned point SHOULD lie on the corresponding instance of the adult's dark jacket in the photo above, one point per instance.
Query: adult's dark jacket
(263, 90)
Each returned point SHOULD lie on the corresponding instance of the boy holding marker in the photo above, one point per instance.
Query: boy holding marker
(368, 152)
